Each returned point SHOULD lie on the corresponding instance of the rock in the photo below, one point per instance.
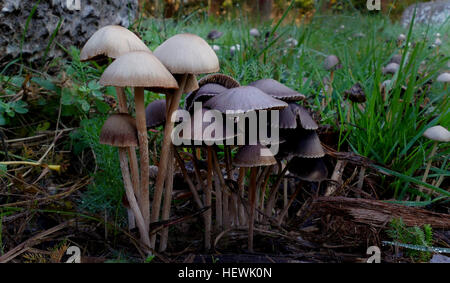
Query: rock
(78, 23)
(430, 12)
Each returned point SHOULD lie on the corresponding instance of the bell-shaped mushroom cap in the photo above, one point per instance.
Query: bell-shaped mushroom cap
(197, 133)
(220, 79)
(277, 90)
(214, 34)
(111, 41)
(444, 78)
(305, 144)
(401, 37)
(187, 54)
(391, 68)
(397, 58)
(139, 69)
(244, 99)
(308, 169)
(287, 119)
(210, 86)
(305, 119)
(250, 156)
(437, 133)
(119, 130)
(356, 94)
(203, 94)
(155, 113)
(331, 62)
(255, 32)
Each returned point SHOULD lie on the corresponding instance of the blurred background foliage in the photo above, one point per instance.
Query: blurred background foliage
(265, 9)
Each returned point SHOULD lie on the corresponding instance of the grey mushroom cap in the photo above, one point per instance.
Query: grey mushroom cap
(119, 130)
(443, 78)
(305, 119)
(197, 133)
(155, 113)
(203, 94)
(397, 58)
(305, 144)
(331, 62)
(214, 34)
(250, 156)
(391, 68)
(217, 79)
(356, 93)
(308, 169)
(244, 99)
(437, 133)
(287, 119)
(277, 90)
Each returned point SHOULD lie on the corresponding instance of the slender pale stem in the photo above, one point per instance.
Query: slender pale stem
(288, 204)
(143, 230)
(165, 154)
(188, 180)
(242, 215)
(167, 201)
(123, 108)
(143, 152)
(208, 198)
(252, 205)
(274, 190)
(427, 170)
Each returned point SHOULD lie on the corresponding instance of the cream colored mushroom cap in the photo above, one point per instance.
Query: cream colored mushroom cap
(138, 69)
(111, 41)
(437, 133)
(187, 54)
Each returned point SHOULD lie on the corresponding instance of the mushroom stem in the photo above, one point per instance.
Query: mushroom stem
(360, 184)
(143, 152)
(427, 169)
(131, 219)
(252, 203)
(143, 230)
(241, 177)
(218, 191)
(286, 207)
(208, 197)
(274, 190)
(188, 180)
(134, 168)
(167, 201)
(165, 152)
(264, 187)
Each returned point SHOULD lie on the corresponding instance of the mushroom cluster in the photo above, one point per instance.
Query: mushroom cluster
(257, 127)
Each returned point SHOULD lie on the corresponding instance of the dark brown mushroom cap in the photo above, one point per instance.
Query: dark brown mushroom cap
(197, 133)
(331, 63)
(305, 119)
(356, 94)
(203, 94)
(244, 99)
(119, 130)
(250, 156)
(306, 144)
(277, 90)
(308, 169)
(155, 113)
(214, 34)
